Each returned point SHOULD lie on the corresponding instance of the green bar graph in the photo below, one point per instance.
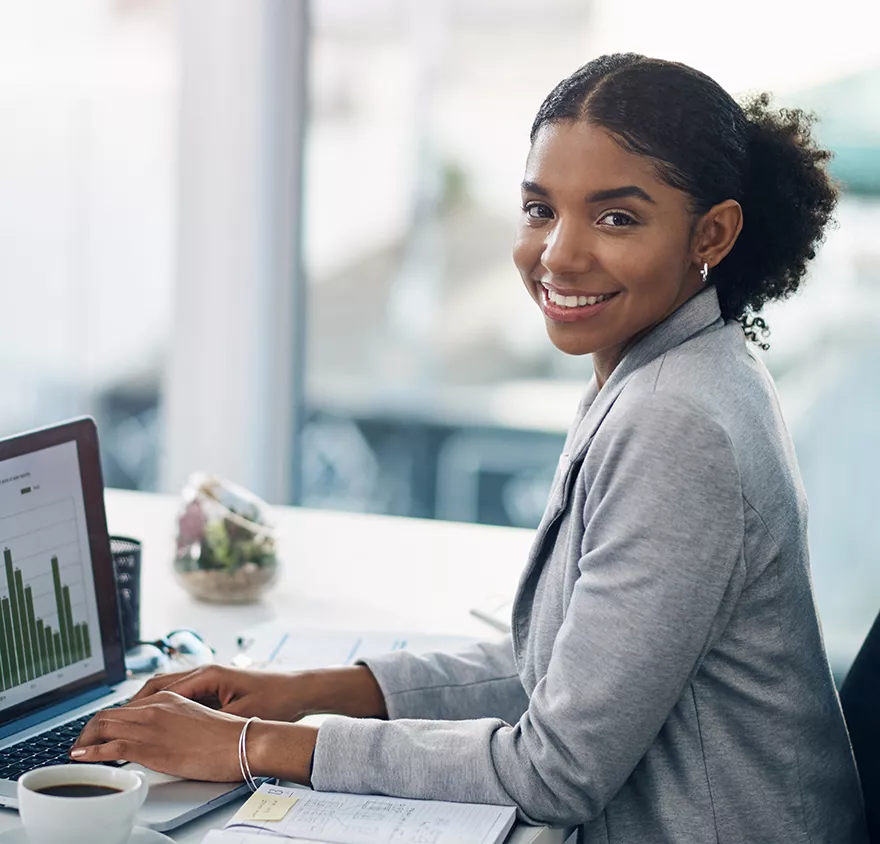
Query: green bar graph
(29, 647)
(59, 603)
(41, 643)
(5, 645)
(67, 626)
(50, 649)
(32, 631)
(8, 639)
(22, 612)
(77, 643)
(21, 628)
(16, 620)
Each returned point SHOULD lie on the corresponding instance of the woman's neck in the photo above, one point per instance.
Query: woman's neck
(605, 361)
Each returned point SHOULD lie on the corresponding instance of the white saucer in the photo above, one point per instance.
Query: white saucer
(139, 835)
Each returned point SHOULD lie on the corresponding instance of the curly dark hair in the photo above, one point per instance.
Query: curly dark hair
(706, 144)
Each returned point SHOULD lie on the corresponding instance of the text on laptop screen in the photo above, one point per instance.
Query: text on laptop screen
(49, 629)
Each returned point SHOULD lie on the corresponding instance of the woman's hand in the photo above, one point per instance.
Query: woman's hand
(274, 696)
(166, 733)
(173, 735)
(188, 724)
(264, 694)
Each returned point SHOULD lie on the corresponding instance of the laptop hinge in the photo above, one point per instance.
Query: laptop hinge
(32, 719)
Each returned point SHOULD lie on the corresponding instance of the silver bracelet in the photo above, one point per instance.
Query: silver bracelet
(242, 756)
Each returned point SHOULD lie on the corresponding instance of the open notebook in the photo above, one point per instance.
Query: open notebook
(330, 818)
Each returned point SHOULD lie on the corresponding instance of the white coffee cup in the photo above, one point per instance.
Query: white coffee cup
(105, 819)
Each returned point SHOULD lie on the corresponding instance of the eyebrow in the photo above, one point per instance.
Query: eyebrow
(620, 193)
(598, 196)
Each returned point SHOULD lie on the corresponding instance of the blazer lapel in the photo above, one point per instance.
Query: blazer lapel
(695, 315)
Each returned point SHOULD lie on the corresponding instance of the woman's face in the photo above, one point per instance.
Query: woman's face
(603, 246)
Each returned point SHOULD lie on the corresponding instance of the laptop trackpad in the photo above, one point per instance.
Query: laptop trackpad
(174, 801)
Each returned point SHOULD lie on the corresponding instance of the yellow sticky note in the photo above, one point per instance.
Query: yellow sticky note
(265, 807)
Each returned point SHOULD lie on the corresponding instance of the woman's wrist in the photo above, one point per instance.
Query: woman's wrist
(350, 690)
(285, 750)
(282, 750)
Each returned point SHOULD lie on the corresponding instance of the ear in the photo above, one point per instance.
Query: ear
(716, 232)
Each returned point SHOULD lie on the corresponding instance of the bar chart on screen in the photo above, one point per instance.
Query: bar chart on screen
(50, 634)
(44, 617)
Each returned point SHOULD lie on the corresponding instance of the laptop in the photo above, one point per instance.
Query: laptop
(61, 653)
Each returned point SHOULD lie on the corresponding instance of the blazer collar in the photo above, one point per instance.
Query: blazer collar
(694, 316)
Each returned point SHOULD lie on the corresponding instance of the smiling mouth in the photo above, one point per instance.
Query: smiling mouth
(564, 309)
(575, 301)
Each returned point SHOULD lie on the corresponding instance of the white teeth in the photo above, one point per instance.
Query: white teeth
(575, 301)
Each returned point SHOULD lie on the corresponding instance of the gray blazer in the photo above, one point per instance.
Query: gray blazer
(667, 680)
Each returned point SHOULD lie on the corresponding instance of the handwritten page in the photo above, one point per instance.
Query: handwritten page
(358, 819)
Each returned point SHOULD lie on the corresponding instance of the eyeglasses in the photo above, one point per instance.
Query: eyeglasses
(178, 650)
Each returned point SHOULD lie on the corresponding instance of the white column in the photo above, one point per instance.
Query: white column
(232, 383)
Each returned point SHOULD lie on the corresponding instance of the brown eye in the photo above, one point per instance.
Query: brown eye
(538, 211)
(617, 219)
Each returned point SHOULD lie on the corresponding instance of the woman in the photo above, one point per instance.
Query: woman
(666, 679)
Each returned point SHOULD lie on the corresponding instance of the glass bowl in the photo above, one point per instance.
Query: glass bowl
(226, 542)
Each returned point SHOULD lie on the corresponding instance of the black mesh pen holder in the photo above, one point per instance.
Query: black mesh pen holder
(126, 555)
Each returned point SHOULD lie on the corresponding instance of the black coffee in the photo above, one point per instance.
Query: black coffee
(78, 790)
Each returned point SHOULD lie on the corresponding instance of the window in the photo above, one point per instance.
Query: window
(430, 386)
(87, 185)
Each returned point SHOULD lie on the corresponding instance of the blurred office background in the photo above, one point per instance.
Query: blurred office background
(270, 239)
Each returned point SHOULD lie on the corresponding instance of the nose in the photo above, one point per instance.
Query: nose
(566, 249)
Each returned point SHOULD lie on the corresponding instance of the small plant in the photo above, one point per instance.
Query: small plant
(226, 543)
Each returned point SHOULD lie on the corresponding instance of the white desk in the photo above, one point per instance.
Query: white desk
(339, 570)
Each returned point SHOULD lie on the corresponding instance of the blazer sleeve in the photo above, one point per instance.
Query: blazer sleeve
(663, 538)
(480, 682)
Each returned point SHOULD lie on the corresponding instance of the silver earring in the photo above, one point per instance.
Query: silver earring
(704, 273)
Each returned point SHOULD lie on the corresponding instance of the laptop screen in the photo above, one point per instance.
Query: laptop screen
(53, 562)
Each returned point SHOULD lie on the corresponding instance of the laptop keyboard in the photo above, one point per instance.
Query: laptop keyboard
(49, 748)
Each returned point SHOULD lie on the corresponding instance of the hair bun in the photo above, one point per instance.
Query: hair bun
(788, 202)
